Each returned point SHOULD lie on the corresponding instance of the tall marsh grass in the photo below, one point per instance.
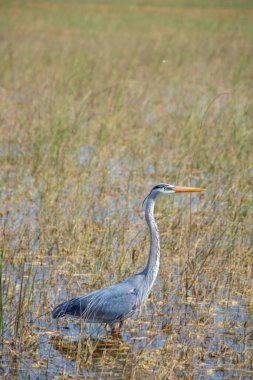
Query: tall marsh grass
(99, 101)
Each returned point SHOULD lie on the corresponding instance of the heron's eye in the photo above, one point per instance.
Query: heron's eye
(166, 188)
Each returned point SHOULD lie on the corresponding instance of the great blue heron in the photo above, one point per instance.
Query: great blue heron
(115, 303)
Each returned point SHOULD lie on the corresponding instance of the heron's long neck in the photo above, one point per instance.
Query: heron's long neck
(152, 267)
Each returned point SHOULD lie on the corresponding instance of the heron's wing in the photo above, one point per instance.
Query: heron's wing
(113, 303)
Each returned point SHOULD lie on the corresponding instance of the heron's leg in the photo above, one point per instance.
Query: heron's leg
(116, 329)
(106, 328)
(120, 326)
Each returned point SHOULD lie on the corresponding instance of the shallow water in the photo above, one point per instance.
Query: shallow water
(218, 329)
(58, 348)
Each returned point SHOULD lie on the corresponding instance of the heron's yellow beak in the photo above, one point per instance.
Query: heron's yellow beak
(179, 189)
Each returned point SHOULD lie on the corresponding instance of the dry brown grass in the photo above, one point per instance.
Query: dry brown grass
(95, 108)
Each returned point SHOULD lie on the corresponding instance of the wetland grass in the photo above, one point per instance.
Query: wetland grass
(99, 102)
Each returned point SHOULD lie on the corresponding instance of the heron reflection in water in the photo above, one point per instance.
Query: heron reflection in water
(112, 305)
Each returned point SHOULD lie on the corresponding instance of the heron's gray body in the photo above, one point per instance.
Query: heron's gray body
(116, 303)
(108, 305)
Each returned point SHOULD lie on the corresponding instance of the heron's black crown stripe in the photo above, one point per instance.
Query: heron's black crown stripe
(158, 187)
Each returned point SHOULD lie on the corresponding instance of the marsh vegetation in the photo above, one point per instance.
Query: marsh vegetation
(99, 101)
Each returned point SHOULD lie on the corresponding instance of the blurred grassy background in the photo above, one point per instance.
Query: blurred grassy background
(99, 101)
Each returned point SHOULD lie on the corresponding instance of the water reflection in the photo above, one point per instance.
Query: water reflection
(100, 357)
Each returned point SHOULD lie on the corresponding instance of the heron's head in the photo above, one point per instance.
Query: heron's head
(166, 189)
